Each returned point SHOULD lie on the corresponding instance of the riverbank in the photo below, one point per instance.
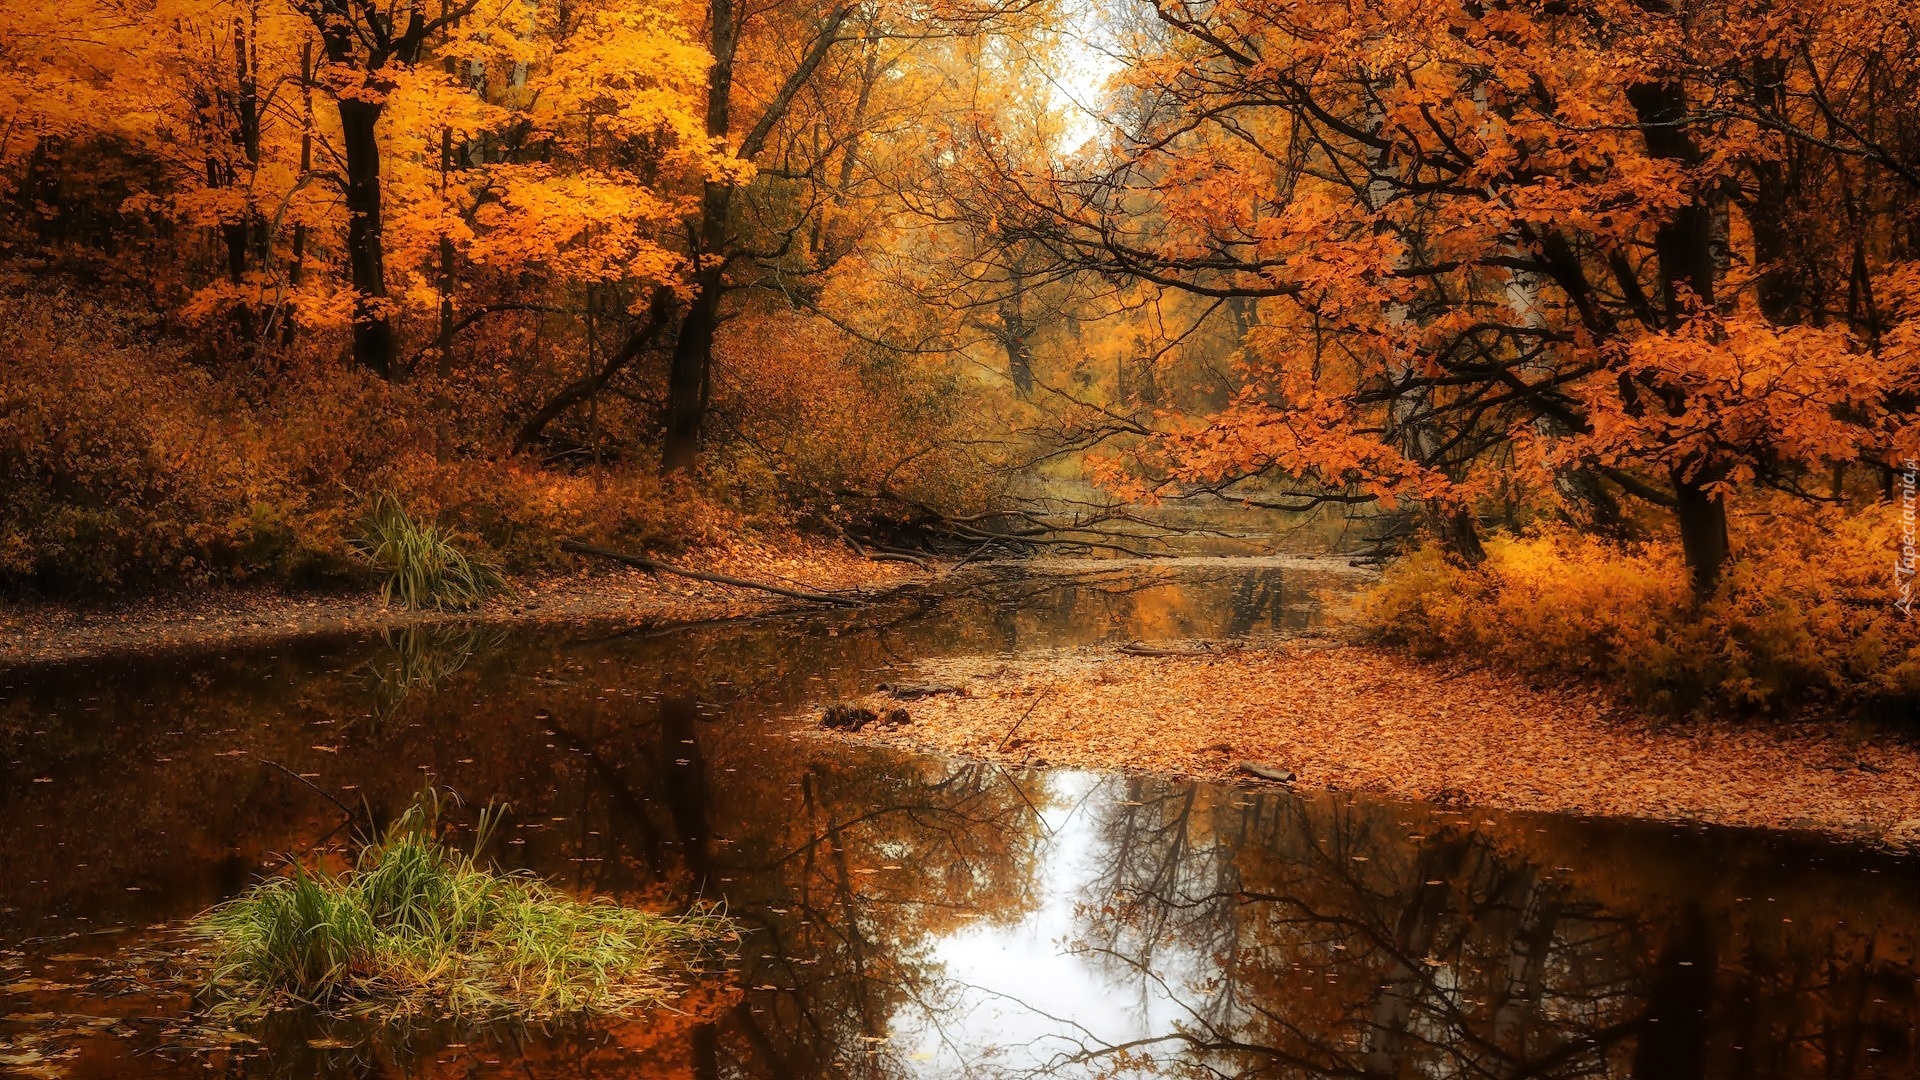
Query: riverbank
(44, 632)
(1353, 718)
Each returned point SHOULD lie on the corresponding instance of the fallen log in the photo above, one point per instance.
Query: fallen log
(912, 691)
(844, 717)
(1205, 648)
(655, 566)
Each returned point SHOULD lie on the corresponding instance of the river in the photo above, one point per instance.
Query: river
(912, 916)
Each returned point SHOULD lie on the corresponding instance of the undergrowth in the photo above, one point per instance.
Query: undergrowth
(1803, 616)
(417, 927)
(133, 461)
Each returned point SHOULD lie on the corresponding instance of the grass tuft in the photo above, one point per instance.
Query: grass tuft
(419, 928)
(422, 565)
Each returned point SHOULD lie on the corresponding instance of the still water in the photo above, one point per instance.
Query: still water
(913, 916)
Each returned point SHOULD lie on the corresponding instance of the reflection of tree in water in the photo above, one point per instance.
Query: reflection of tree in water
(1260, 597)
(1324, 938)
(847, 868)
(643, 766)
(1121, 603)
(877, 866)
(1133, 602)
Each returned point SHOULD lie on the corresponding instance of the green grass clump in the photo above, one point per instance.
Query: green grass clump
(419, 928)
(422, 565)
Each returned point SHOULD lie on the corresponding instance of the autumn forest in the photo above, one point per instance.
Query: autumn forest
(1415, 409)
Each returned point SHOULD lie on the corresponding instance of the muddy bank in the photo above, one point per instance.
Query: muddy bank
(41, 632)
(1350, 718)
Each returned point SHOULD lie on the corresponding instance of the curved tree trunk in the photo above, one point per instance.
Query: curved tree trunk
(687, 375)
(584, 388)
(689, 379)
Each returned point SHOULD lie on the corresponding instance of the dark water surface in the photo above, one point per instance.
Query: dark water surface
(913, 916)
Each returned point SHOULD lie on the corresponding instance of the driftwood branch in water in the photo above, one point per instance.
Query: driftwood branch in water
(878, 555)
(655, 566)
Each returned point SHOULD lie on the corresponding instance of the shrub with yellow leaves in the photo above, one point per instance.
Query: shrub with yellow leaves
(1805, 615)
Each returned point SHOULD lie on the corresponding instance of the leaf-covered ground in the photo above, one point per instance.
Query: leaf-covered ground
(42, 632)
(1360, 719)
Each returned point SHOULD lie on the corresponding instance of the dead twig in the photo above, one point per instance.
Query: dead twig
(344, 808)
(1037, 699)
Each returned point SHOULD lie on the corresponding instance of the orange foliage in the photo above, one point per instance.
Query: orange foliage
(1477, 250)
(834, 422)
(1807, 614)
(496, 211)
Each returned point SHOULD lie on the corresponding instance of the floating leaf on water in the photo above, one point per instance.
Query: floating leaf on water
(225, 1037)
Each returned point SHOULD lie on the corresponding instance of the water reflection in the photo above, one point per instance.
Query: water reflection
(1337, 937)
(918, 917)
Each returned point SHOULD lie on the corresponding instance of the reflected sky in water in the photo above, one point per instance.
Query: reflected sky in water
(911, 916)
(1020, 997)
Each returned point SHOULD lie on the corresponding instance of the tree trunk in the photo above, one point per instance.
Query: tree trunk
(1680, 991)
(689, 379)
(1531, 950)
(1423, 908)
(296, 262)
(1015, 335)
(375, 345)
(235, 234)
(1460, 535)
(1777, 288)
(246, 235)
(1684, 245)
(687, 375)
(1703, 533)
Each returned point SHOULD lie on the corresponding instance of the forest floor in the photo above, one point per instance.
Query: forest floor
(1352, 718)
(39, 632)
